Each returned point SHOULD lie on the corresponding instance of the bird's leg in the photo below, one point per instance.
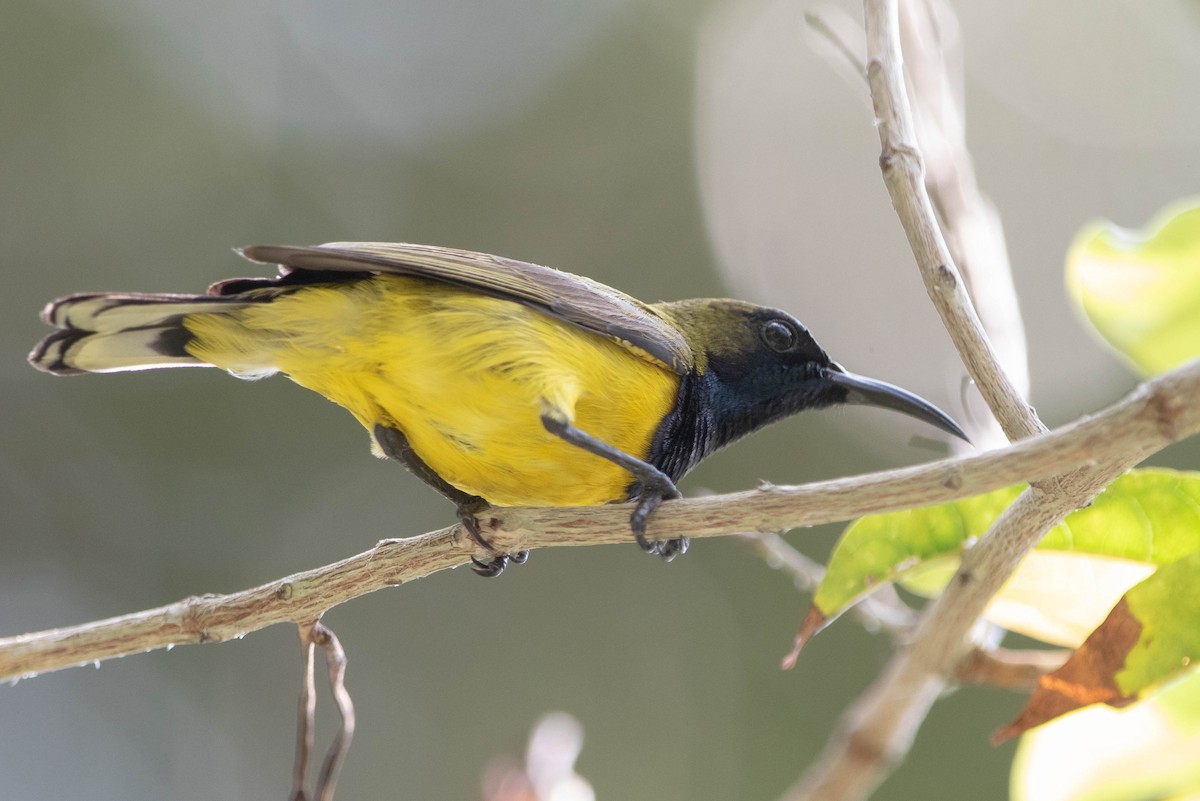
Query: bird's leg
(654, 486)
(395, 445)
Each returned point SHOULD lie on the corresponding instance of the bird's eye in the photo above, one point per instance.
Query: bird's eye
(779, 336)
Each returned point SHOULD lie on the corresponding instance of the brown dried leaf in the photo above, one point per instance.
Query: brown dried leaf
(1088, 677)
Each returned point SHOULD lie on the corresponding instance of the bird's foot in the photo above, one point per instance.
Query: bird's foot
(496, 565)
(654, 491)
(654, 486)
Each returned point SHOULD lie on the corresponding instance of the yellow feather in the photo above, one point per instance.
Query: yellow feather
(464, 376)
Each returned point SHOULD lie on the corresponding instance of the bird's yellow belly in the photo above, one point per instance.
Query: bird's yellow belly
(466, 378)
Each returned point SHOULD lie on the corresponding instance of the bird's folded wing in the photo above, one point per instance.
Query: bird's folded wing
(580, 301)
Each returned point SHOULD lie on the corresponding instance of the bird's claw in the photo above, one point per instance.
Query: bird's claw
(489, 569)
(652, 495)
(653, 548)
(495, 566)
(672, 548)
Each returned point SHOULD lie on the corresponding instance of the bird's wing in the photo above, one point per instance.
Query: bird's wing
(579, 301)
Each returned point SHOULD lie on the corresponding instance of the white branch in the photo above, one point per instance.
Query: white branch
(933, 64)
(904, 175)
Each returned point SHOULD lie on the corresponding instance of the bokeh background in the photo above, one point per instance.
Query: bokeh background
(669, 148)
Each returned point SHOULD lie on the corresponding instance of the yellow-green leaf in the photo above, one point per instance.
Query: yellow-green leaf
(1062, 591)
(1167, 605)
(1098, 753)
(1141, 289)
(1149, 638)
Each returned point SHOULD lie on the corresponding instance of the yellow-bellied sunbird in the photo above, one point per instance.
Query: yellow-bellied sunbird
(495, 381)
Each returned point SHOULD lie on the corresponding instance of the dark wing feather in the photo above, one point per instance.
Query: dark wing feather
(580, 301)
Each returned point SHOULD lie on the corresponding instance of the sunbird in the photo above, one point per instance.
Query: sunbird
(497, 382)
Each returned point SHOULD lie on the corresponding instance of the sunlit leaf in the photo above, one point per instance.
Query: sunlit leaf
(1098, 753)
(1141, 289)
(1059, 597)
(1167, 605)
(1062, 591)
(1150, 637)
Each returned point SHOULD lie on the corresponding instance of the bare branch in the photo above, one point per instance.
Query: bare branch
(974, 233)
(882, 610)
(829, 26)
(877, 731)
(306, 716)
(335, 663)
(1155, 414)
(1017, 670)
(312, 636)
(904, 175)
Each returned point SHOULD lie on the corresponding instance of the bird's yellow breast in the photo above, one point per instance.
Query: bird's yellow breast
(464, 376)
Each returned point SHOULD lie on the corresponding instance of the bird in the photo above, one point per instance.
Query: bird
(497, 382)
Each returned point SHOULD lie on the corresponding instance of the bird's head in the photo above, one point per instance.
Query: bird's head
(758, 365)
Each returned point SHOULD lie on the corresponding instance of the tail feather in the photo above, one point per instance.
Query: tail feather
(111, 332)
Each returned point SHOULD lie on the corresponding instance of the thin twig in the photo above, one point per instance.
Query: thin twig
(315, 635)
(974, 233)
(1009, 669)
(306, 715)
(875, 734)
(1157, 413)
(335, 662)
(904, 174)
(882, 610)
(838, 42)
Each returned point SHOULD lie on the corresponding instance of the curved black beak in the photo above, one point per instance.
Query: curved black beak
(869, 392)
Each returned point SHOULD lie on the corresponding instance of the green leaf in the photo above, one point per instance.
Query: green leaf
(1148, 639)
(1141, 289)
(880, 548)
(1167, 605)
(1099, 753)
(1062, 591)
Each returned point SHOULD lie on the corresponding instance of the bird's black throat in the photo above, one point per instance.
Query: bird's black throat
(715, 407)
(689, 431)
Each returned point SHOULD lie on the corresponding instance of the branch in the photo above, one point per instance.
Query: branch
(1017, 670)
(882, 610)
(877, 731)
(974, 233)
(306, 717)
(904, 175)
(1155, 414)
(312, 636)
(836, 33)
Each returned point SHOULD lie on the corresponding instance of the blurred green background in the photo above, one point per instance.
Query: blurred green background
(669, 148)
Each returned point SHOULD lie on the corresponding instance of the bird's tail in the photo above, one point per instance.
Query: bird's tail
(112, 332)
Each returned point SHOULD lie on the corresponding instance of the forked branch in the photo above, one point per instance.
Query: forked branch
(877, 731)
